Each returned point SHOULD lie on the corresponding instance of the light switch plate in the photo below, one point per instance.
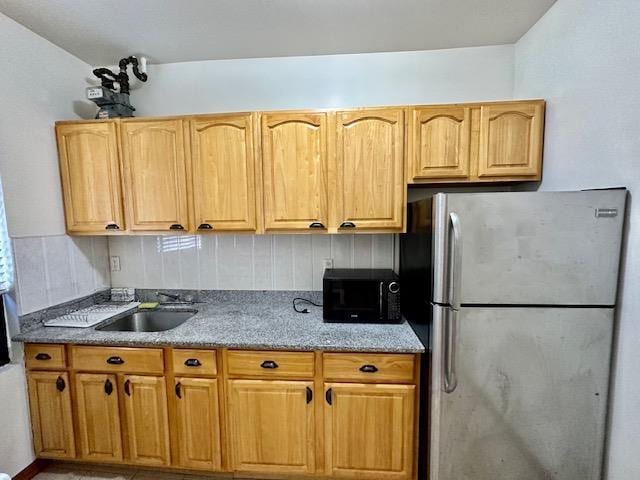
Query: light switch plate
(327, 263)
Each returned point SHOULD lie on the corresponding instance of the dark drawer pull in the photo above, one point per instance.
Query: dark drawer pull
(347, 225)
(43, 356)
(60, 384)
(178, 390)
(108, 387)
(369, 369)
(205, 226)
(115, 361)
(316, 225)
(176, 226)
(269, 364)
(192, 362)
(112, 226)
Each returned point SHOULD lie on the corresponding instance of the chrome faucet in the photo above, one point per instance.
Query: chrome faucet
(172, 296)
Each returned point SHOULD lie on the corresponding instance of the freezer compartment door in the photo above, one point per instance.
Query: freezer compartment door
(530, 396)
(528, 248)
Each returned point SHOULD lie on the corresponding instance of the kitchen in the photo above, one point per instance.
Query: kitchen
(565, 67)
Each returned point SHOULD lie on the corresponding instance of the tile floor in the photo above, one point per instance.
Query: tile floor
(62, 471)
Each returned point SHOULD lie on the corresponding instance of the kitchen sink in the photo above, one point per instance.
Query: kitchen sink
(154, 321)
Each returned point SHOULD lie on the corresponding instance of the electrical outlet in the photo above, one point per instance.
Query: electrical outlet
(327, 263)
(115, 263)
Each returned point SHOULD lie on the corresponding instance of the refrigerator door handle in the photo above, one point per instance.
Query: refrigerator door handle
(456, 260)
(450, 341)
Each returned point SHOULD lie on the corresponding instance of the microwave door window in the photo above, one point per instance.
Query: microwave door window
(357, 299)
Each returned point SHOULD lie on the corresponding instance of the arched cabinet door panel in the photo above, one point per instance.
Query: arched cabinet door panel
(511, 139)
(369, 170)
(294, 168)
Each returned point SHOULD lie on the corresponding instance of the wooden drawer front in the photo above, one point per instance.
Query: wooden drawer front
(369, 367)
(44, 356)
(269, 364)
(194, 362)
(117, 359)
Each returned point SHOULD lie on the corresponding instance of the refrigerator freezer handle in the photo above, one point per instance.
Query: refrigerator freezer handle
(451, 339)
(456, 259)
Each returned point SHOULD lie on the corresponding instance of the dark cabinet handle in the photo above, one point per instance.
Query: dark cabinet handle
(205, 226)
(127, 387)
(115, 360)
(368, 368)
(176, 226)
(108, 387)
(316, 225)
(309, 395)
(192, 362)
(269, 364)
(60, 384)
(347, 225)
(112, 226)
(329, 396)
(43, 356)
(178, 390)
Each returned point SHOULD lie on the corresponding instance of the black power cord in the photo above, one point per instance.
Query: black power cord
(306, 300)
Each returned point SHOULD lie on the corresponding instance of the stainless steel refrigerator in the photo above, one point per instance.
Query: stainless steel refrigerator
(515, 295)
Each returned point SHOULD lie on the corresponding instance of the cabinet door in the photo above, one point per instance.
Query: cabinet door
(370, 430)
(271, 426)
(90, 173)
(439, 142)
(98, 417)
(198, 423)
(511, 139)
(223, 166)
(370, 186)
(155, 174)
(51, 420)
(145, 403)
(294, 163)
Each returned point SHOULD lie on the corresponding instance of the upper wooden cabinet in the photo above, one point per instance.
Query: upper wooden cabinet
(440, 142)
(90, 173)
(370, 188)
(294, 166)
(492, 142)
(223, 172)
(154, 161)
(511, 139)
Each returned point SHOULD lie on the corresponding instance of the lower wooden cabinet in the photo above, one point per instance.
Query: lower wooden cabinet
(198, 423)
(147, 421)
(271, 426)
(98, 414)
(252, 412)
(369, 430)
(51, 420)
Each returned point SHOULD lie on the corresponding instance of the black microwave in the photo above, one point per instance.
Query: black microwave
(361, 295)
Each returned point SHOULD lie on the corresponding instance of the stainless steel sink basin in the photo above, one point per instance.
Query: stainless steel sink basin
(154, 321)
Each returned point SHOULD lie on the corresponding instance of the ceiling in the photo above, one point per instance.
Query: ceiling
(102, 32)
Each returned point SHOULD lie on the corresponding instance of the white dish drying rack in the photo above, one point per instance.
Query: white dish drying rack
(90, 316)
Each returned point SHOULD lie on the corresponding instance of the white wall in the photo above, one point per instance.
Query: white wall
(243, 262)
(583, 57)
(440, 76)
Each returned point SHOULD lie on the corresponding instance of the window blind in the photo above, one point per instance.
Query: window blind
(6, 260)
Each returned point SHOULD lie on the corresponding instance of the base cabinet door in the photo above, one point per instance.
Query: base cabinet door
(98, 417)
(369, 430)
(147, 424)
(271, 426)
(198, 421)
(51, 419)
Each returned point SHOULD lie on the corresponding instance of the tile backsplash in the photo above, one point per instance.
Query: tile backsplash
(243, 262)
(55, 269)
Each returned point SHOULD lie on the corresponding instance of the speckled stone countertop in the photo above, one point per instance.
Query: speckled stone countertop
(247, 319)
